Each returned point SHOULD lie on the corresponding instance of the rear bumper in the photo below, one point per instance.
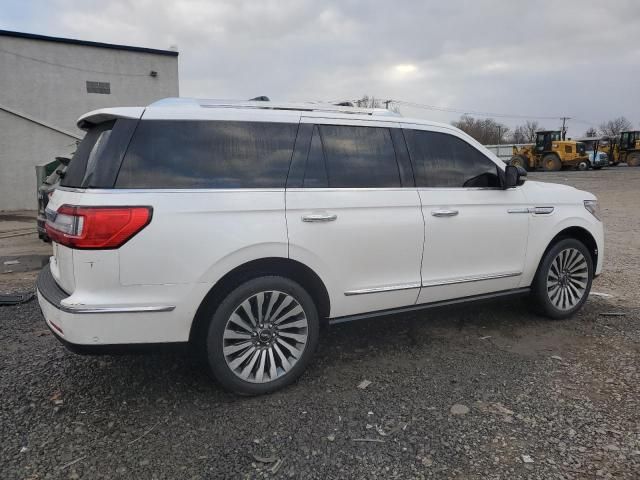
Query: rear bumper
(95, 329)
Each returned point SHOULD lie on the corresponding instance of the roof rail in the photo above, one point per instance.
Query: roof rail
(263, 105)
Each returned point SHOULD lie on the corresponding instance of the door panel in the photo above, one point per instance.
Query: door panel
(365, 243)
(480, 249)
(372, 243)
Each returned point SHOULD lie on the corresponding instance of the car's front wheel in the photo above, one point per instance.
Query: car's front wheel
(563, 280)
(262, 335)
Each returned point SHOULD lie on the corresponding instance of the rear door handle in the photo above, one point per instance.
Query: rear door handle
(444, 213)
(319, 217)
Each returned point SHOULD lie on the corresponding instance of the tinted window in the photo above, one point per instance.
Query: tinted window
(97, 158)
(315, 174)
(208, 154)
(358, 157)
(442, 160)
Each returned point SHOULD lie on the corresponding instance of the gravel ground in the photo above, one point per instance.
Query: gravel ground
(478, 392)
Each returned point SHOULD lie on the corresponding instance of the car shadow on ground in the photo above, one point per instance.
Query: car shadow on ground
(393, 340)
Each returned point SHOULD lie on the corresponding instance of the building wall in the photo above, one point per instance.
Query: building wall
(46, 81)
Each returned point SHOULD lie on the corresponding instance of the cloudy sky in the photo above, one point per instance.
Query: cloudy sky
(578, 58)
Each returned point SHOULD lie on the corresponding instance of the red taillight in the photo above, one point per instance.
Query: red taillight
(96, 227)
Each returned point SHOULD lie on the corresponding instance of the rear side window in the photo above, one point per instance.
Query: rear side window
(97, 158)
(354, 157)
(444, 161)
(208, 154)
(315, 175)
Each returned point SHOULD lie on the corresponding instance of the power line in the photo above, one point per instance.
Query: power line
(473, 112)
(70, 67)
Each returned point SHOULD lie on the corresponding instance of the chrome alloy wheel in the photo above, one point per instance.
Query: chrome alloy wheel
(567, 279)
(265, 336)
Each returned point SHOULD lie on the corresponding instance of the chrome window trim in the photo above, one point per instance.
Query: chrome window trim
(388, 288)
(169, 190)
(474, 278)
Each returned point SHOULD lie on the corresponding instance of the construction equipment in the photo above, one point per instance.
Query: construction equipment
(625, 148)
(596, 150)
(550, 152)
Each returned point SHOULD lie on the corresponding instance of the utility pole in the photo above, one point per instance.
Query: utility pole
(386, 104)
(564, 128)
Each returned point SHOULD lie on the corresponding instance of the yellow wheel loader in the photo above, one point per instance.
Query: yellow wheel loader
(550, 152)
(625, 148)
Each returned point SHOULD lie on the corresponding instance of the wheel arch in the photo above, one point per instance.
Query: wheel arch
(579, 233)
(281, 266)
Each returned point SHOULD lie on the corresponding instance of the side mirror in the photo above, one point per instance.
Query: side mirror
(514, 176)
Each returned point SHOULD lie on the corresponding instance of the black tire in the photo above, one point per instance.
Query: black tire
(633, 160)
(598, 167)
(215, 340)
(519, 161)
(584, 165)
(541, 296)
(551, 162)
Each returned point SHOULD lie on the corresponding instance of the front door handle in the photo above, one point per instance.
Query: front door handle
(319, 217)
(444, 213)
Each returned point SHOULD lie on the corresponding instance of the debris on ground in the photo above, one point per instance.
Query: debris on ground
(459, 409)
(364, 384)
(598, 294)
(527, 459)
(16, 298)
(260, 459)
(612, 314)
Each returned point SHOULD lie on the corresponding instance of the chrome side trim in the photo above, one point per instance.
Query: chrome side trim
(89, 309)
(388, 288)
(476, 278)
(424, 306)
(534, 210)
(542, 210)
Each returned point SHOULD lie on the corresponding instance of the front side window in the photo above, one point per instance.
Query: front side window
(444, 161)
(208, 154)
(358, 157)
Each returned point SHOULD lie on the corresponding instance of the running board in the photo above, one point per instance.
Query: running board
(425, 306)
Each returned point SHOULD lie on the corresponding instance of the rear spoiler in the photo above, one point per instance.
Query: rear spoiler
(106, 114)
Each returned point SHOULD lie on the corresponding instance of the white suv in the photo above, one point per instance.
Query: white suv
(240, 228)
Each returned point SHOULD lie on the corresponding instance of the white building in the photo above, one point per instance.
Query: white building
(46, 83)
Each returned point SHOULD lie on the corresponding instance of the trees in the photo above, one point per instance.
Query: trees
(612, 128)
(368, 102)
(591, 132)
(486, 131)
(526, 133)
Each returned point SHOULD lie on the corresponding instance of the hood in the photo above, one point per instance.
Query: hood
(544, 193)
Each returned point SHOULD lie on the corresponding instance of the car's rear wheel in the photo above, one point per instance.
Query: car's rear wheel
(563, 280)
(262, 336)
